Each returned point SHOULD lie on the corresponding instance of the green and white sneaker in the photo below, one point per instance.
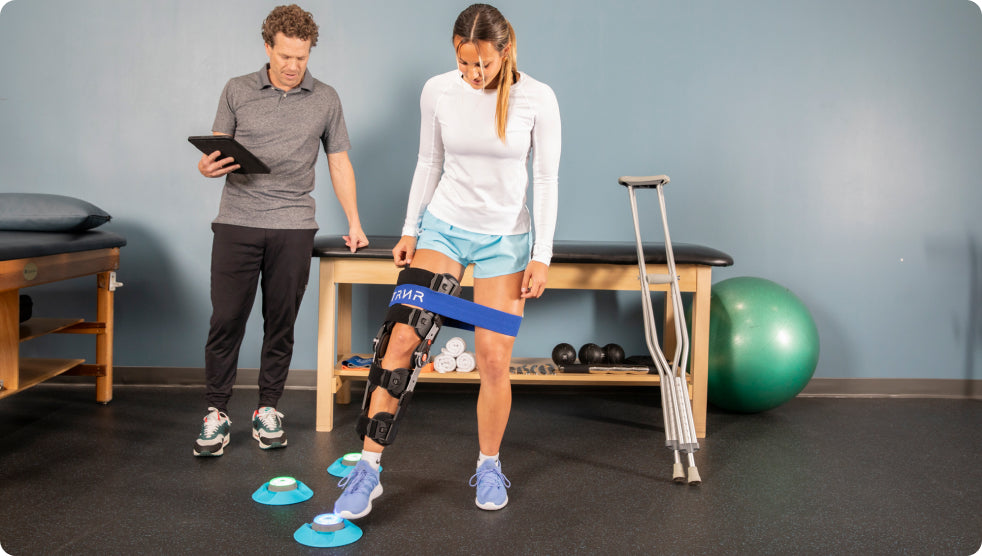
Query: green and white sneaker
(267, 428)
(214, 434)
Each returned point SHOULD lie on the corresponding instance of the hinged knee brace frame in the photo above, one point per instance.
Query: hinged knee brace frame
(400, 382)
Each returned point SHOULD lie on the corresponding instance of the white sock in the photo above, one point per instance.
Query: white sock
(372, 458)
(481, 458)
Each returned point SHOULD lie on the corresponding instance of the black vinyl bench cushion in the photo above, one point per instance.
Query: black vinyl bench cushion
(23, 245)
(380, 247)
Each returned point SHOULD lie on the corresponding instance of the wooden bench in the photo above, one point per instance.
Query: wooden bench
(575, 266)
(33, 258)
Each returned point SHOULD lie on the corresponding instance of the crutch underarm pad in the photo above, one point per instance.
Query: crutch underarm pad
(643, 181)
(459, 313)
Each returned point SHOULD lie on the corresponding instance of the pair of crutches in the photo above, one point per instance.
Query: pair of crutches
(680, 429)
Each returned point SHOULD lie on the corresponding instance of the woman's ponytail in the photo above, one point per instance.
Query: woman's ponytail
(506, 77)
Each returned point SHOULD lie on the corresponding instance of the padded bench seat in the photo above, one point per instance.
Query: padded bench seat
(575, 266)
(22, 245)
(380, 247)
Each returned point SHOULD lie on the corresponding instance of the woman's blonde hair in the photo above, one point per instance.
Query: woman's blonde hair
(482, 22)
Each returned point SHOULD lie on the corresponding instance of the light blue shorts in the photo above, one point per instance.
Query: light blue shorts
(492, 255)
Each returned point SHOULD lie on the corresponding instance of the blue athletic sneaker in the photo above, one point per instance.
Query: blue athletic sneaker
(361, 486)
(491, 485)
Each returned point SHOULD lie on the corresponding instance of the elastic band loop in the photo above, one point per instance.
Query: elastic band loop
(459, 313)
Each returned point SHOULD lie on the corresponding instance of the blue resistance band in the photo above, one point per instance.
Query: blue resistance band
(458, 313)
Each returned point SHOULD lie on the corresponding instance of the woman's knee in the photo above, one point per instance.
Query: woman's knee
(402, 341)
(494, 359)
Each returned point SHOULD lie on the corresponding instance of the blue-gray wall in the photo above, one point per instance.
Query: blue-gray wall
(833, 147)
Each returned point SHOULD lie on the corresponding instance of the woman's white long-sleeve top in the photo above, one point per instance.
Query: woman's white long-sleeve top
(467, 177)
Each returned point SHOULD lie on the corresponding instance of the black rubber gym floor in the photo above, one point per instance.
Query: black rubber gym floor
(815, 476)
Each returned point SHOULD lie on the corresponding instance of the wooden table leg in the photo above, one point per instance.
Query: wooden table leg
(104, 339)
(343, 394)
(699, 352)
(10, 339)
(669, 341)
(326, 346)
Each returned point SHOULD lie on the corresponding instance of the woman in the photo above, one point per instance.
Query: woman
(467, 205)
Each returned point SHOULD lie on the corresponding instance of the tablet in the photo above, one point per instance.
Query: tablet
(248, 162)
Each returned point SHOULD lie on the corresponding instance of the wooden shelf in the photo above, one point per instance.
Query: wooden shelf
(599, 379)
(36, 371)
(37, 327)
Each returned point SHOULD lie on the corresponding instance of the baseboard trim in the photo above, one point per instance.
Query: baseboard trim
(893, 388)
(306, 379)
(194, 376)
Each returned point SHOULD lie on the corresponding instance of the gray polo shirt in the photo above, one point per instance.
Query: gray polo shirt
(285, 130)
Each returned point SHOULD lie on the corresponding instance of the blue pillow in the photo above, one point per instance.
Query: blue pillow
(42, 212)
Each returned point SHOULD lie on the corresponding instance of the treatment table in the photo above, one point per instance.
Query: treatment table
(33, 258)
(575, 266)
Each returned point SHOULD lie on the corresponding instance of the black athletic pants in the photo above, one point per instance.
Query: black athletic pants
(241, 259)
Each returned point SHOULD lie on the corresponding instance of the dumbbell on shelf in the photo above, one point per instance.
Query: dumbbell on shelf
(591, 353)
(594, 359)
(613, 353)
(564, 354)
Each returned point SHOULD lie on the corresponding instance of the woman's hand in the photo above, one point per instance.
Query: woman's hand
(403, 252)
(534, 280)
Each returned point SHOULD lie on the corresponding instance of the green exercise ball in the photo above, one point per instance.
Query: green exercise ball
(763, 345)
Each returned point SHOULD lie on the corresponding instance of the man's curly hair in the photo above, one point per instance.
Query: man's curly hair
(292, 21)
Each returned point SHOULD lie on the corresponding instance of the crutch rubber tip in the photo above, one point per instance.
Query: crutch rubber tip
(694, 478)
(677, 475)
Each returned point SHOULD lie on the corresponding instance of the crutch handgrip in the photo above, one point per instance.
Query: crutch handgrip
(660, 278)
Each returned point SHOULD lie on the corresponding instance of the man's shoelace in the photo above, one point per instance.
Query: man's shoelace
(269, 419)
(212, 424)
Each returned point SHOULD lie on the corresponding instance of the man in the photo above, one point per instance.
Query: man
(265, 227)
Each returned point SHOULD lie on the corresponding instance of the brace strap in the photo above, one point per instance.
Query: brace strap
(381, 428)
(457, 312)
(395, 381)
(443, 283)
(421, 320)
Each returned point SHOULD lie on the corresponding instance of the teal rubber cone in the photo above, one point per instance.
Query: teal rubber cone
(343, 465)
(282, 491)
(763, 345)
(326, 531)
